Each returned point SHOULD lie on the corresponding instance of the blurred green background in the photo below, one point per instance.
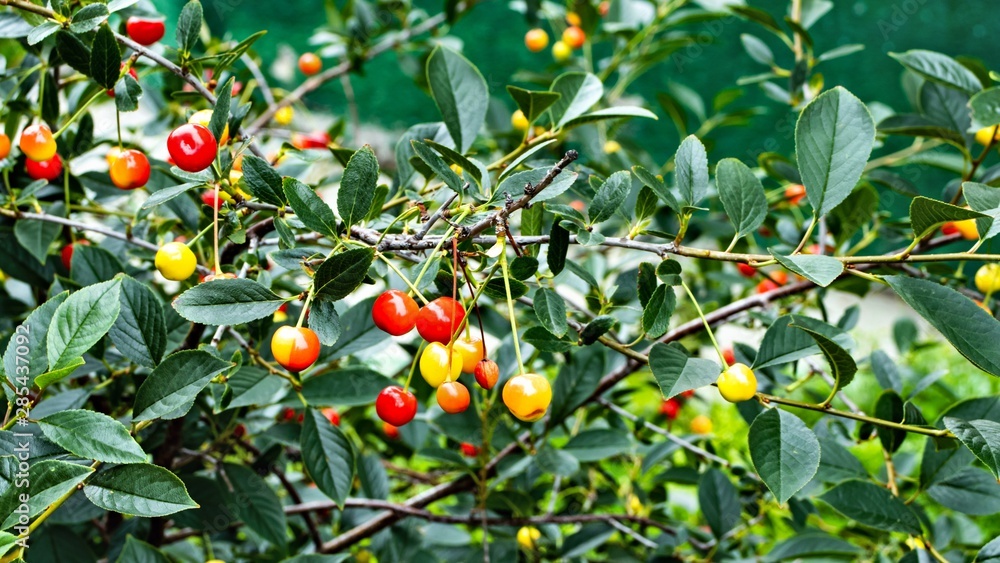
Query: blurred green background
(493, 33)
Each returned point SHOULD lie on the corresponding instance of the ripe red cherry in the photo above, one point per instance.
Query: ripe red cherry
(391, 432)
(130, 170)
(395, 312)
(438, 320)
(949, 228)
(145, 31)
(746, 270)
(729, 356)
(288, 414)
(131, 73)
(469, 450)
(670, 408)
(192, 147)
(332, 415)
(318, 140)
(44, 170)
(208, 198)
(396, 406)
(487, 373)
(240, 431)
(688, 394)
(66, 254)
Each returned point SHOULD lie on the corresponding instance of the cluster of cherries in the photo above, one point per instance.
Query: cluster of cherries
(446, 356)
(573, 37)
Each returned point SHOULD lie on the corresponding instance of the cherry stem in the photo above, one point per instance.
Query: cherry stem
(704, 321)
(437, 248)
(510, 301)
(454, 299)
(305, 308)
(413, 366)
(215, 226)
(475, 305)
(198, 236)
(413, 288)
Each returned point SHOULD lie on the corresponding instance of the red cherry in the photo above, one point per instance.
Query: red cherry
(487, 373)
(469, 450)
(396, 405)
(729, 356)
(66, 254)
(395, 312)
(391, 432)
(45, 170)
(131, 73)
(332, 415)
(240, 431)
(670, 408)
(288, 414)
(130, 170)
(438, 320)
(208, 198)
(949, 228)
(192, 146)
(317, 140)
(145, 31)
(746, 270)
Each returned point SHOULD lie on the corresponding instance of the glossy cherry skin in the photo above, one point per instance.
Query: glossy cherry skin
(295, 348)
(396, 406)
(310, 64)
(453, 397)
(318, 140)
(487, 373)
(746, 270)
(4, 146)
(730, 357)
(130, 170)
(131, 72)
(738, 383)
(469, 450)
(574, 37)
(670, 408)
(395, 312)
(438, 320)
(44, 170)
(472, 352)
(37, 142)
(145, 31)
(192, 147)
(795, 193)
(528, 396)
(332, 415)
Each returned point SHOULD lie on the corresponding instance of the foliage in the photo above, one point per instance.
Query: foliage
(165, 421)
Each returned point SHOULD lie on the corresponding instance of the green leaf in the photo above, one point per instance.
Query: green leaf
(166, 194)
(920, 126)
(105, 58)
(610, 196)
(357, 187)
(438, 166)
(837, 463)
(820, 269)
(657, 312)
(139, 489)
(990, 553)
(834, 136)
(957, 317)
(578, 92)
(658, 186)
(339, 275)
(40, 32)
(842, 366)
(460, 92)
(984, 199)
(127, 92)
(808, 545)
(597, 444)
(497, 290)
(558, 247)
(56, 375)
(742, 195)
(552, 461)
(532, 103)
(227, 302)
(347, 386)
(36, 237)
(873, 506)
(577, 380)
(597, 328)
(34, 335)
(545, 341)
(92, 264)
(616, 112)
(88, 18)
(140, 332)
(514, 185)
(253, 386)
(46, 481)
(175, 383)
(189, 26)
(939, 68)
(982, 437)
(220, 113)
(646, 203)
(328, 455)
(551, 311)
(970, 491)
(138, 551)
(691, 171)
(313, 211)
(73, 52)
(926, 215)
(262, 180)
(92, 435)
(784, 343)
(523, 267)
(985, 107)
(719, 502)
(784, 451)
(757, 49)
(676, 373)
(325, 321)
(262, 510)
(81, 321)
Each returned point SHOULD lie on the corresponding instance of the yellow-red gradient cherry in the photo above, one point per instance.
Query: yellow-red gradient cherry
(295, 348)
(130, 170)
